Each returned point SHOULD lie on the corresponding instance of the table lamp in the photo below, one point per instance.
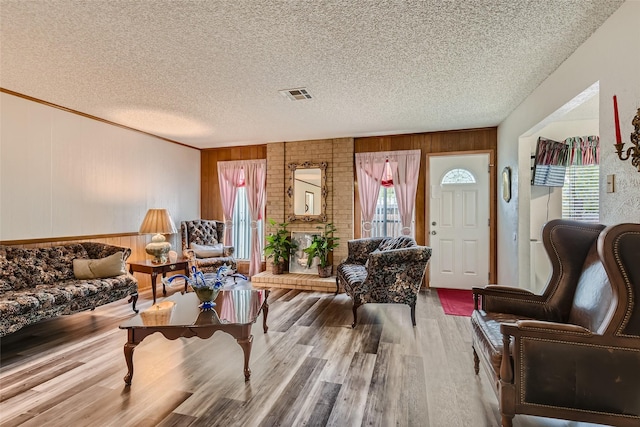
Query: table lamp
(158, 222)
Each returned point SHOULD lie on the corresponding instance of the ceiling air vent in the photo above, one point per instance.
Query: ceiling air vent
(298, 94)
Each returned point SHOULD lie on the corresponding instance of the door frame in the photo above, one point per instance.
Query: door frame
(493, 236)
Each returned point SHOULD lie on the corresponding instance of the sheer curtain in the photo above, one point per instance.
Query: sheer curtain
(369, 170)
(405, 168)
(230, 178)
(255, 172)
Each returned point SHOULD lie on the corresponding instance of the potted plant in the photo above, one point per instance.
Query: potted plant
(279, 246)
(321, 245)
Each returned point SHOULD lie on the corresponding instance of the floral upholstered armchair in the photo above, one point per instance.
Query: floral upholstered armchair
(202, 244)
(383, 270)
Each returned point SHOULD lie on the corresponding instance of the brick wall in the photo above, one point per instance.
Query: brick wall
(338, 153)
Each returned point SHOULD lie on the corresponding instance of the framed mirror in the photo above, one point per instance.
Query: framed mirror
(308, 192)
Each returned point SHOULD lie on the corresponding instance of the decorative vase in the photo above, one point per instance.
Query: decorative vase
(277, 268)
(206, 296)
(325, 271)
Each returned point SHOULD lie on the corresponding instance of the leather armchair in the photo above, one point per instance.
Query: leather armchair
(574, 351)
(206, 232)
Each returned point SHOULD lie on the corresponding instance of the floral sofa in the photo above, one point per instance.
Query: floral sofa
(39, 283)
(383, 270)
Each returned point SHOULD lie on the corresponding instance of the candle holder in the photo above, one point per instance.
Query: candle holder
(633, 151)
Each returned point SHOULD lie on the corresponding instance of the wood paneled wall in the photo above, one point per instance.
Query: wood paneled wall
(472, 140)
(210, 204)
(211, 207)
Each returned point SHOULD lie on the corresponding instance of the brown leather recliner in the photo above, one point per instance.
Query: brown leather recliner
(574, 351)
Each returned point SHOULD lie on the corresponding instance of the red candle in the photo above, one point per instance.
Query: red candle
(617, 120)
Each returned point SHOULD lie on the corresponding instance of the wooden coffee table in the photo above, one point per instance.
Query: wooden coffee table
(237, 308)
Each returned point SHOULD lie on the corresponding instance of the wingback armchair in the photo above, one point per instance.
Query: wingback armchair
(574, 351)
(202, 244)
(383, 270)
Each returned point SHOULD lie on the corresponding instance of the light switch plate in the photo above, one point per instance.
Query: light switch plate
(611, 183)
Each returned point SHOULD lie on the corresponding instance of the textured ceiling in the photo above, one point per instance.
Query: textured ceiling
(207, 73)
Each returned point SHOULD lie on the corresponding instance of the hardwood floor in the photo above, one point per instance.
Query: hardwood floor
(311, 368)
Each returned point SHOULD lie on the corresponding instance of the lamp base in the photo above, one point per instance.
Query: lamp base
(158, 248)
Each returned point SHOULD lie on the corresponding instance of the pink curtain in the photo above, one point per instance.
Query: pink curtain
(583, 150)
(255, 172)
(230, 178)
(405, 167)
(369, 170)
(228, 309)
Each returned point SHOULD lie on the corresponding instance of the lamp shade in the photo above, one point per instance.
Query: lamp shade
(158, 222)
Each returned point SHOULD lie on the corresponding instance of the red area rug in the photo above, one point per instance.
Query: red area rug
(456, 302)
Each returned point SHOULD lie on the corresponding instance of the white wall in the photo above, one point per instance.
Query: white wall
(540, 197)
(546, 202)
(62, 174)
(609, 56)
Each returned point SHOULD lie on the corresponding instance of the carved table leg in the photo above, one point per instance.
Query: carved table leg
(133, 299)
(476, 362)
(265, 313)
(128, 357)
(337, 286)
(154, 276)
(164, 289)
(246, 348)
(413, 313)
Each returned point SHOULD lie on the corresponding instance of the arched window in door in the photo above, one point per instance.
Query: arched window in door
(458, 176)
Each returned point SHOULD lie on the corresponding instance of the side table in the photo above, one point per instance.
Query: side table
(154, 269)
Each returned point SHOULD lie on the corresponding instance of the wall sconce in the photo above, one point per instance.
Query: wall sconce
(633, 151)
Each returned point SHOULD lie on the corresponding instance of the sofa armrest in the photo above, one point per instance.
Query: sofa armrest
(512, 300)
(189, 254)
(526, 327)
(545, 339)
(413, 254)
(227, 252)
(407, 264)
(502, 288)
(97, 250)
(359, 249)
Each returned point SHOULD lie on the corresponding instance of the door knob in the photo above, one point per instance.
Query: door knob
(434, 233)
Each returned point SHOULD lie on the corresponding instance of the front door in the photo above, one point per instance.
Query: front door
(459, 220)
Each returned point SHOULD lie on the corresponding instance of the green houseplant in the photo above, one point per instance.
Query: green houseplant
(321, 245)
(279, 246)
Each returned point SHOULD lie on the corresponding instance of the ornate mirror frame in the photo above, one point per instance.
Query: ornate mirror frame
(322, 215)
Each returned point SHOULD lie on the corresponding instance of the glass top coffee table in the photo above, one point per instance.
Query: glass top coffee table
(236, 310)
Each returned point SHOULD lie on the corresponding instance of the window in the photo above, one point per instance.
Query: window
(386, 219)
(242, 226)
(581, 193)
(458, 176)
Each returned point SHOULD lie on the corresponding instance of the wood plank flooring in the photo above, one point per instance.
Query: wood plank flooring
(311, 369)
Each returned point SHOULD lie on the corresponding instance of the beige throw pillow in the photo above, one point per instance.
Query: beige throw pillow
(204, 251)
(110, 266)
